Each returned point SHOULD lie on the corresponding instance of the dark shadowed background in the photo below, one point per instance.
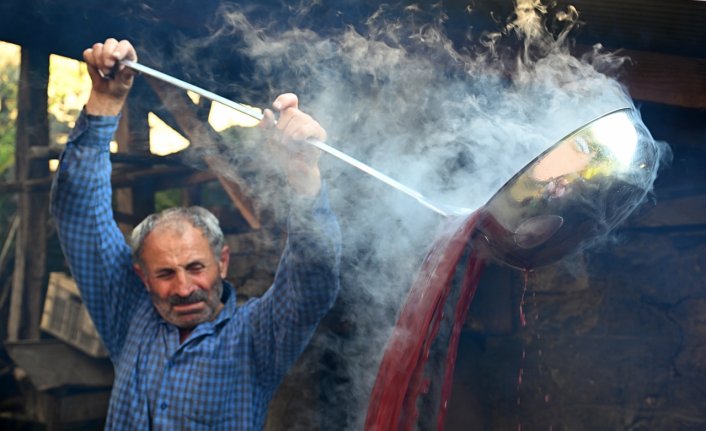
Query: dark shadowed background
(435, 94)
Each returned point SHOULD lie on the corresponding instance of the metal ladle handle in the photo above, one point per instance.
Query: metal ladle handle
(256, 114)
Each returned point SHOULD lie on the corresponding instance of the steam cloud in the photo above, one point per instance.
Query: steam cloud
(454, 123)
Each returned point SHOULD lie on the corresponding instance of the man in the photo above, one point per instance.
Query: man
(186, 357)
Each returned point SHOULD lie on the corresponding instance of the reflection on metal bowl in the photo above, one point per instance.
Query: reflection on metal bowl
(572, 194)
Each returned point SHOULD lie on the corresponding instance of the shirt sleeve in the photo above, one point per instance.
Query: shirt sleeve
(305, 287)
(96, 250)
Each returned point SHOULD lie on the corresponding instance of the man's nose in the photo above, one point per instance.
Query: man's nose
(184, 284)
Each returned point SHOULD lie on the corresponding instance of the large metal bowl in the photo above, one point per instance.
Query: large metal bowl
(572, 194)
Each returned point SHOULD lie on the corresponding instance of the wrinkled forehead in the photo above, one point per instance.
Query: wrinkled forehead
(174, 236)
(172, 252)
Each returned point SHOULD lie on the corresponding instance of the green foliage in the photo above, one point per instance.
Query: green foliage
(68, 91)
(167, 199)
(9, 75)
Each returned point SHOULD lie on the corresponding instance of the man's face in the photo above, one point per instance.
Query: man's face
(182, 275)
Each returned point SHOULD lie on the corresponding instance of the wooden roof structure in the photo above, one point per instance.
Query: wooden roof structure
(666, 41)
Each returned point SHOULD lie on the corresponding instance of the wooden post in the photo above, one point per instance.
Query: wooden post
(29, 278)
(133, 136)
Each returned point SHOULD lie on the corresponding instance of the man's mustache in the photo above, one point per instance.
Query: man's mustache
(196, 296)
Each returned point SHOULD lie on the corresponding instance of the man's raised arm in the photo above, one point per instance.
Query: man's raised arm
(94, 247)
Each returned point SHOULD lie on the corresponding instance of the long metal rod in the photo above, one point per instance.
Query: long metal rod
(257, 114)
(253, 113)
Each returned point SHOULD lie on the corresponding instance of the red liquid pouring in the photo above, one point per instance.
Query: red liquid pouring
(400, 380)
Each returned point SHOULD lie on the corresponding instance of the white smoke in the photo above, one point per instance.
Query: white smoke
(454, 123)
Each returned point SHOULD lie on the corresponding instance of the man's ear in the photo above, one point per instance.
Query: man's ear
(223, 261)
(140, 273)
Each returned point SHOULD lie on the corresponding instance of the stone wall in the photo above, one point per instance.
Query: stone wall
(253, 261)
(615, 340)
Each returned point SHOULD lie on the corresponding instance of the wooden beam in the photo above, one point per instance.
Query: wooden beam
(5, 252)
(29, 277)
(664, 214)
(163, 182)
(67, 409)
(162, 176)
(692, 229)
(53, 364)
(5, 288)
(202, 135)
(54, 151)
(61, 386)
(666, 79)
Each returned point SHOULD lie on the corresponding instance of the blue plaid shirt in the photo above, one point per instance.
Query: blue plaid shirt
(225, 374)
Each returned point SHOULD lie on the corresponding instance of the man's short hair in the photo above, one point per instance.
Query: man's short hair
(197, 216)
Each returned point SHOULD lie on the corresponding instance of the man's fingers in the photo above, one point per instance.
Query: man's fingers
(104, 56)
(303, 131)
(124, 51)
(90, 63)
(97, 55)
(268, 119)
(298, 126)
(89, 58)
(109, 48)
(286, 101)
(103, 67)
(299, 160)
(108, 60)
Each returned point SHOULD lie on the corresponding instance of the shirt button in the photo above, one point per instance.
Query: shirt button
(163, 406)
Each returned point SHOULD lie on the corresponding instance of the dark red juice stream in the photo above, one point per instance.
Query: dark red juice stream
(400, 378)
(520, 374)
(523, 323)
(468, 290)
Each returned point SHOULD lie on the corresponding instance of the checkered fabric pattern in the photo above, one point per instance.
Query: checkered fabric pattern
(224, 375)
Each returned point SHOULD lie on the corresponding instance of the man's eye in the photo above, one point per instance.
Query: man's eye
(164, 275)
(196, 267)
